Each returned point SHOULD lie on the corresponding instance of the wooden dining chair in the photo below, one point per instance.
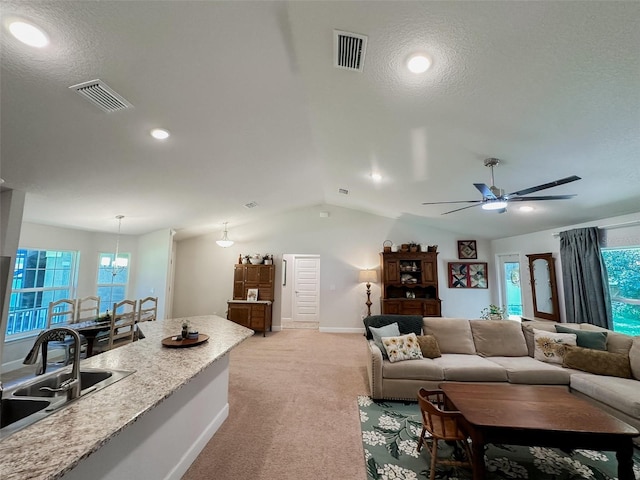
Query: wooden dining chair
(123, 323)
(62, 313)
(441, 424)
(148, 309)
(88, 308)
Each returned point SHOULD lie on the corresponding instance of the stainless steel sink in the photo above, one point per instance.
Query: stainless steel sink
(15, 409)
(37, 398)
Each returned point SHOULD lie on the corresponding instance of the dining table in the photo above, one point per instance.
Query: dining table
(90, 329)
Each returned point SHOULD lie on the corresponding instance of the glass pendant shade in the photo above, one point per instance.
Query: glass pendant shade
(224, 242)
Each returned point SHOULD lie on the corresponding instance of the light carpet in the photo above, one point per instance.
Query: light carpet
(390, 432)
(291, 410)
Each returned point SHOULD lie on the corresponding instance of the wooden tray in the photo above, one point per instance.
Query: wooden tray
(187, 342)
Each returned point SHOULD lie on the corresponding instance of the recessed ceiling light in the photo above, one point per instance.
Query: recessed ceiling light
(418, 63)
(526, 208)
(376, 177)
(28, 34)
(160, 133)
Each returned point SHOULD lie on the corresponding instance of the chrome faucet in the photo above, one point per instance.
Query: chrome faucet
(58, 334)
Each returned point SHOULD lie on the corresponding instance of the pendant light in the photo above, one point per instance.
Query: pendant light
(224, 242)
(117, 264)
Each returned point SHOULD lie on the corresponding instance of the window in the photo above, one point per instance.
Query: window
(623, 268)
(113, 280)
(39, 277)
(510, 289)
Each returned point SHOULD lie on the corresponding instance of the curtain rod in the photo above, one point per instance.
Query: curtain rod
(610, 227)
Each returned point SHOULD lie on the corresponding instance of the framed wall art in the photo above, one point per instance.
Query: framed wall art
(252, 294)
(467, 250)
(468, 275)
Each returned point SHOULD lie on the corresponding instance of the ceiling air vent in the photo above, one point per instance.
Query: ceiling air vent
(349, 50)
(98, 93)
(251, 205)
(343, 191)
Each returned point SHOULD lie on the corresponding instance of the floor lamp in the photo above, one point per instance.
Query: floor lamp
(368, 276)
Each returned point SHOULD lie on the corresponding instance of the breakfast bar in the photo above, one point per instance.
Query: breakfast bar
(151, 424)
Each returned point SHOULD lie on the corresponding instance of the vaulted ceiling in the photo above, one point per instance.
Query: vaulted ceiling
(259, 113)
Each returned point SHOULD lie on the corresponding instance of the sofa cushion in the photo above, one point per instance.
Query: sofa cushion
(619, 393)
(385, 331)
(585, 338)
(634, 358)
(422, 369)
(429, 346)
(616, 342)
(406, 323)
(459, 367)
(498, 338)
(529, 371)
(597, 362)
(404, 347)
(550, 346)
(453, 334)
(527, 330)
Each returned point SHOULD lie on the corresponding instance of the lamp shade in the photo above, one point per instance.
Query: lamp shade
(367, 276)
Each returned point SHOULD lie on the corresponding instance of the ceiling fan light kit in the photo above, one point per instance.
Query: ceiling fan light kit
(494, 198)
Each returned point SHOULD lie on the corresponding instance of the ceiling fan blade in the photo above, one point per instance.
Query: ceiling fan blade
(484, 190)
(544, 186)
(463, 208)
(542, 197)
(455, 201)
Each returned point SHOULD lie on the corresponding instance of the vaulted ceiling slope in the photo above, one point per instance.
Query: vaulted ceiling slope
(258, 113)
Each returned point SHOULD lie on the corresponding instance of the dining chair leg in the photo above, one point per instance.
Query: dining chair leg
(421, 441)
(434, 458)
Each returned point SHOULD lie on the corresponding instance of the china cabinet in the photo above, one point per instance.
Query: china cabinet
(410, 283)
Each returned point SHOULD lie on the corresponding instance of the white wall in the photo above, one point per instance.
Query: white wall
(154, 252)
(346, 241)
(546, 241)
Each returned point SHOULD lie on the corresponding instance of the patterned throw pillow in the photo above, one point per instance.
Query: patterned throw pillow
(405, 347)
(550, 347)
(429, 346)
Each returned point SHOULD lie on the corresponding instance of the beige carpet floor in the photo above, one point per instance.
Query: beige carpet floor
(292, 410)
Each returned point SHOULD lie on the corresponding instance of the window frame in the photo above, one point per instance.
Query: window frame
(102, 269)
(40, 312)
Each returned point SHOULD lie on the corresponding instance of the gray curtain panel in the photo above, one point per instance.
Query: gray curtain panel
(586, 285)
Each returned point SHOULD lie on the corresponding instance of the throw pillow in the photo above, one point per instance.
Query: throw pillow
(429, 346)
(405, 347)
(498, 338)
(594, 340)
(386, 331)
(597, 361)
(550, 347)
(406, 323)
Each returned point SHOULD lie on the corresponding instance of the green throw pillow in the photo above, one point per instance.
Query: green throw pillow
(390, 330)
(586, 339)
(597, 362)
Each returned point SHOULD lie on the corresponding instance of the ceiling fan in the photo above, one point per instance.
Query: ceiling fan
(494, 198)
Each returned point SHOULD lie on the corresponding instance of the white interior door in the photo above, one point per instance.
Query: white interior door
(306, 297)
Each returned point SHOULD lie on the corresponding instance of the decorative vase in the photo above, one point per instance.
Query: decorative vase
(185, 332)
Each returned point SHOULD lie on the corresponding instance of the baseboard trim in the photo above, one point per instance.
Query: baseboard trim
(341, 330)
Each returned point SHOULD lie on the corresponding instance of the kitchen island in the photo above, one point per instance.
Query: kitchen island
(149, 425)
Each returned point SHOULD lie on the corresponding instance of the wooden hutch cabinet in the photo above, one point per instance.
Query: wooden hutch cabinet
(410, 284)
(255, 315)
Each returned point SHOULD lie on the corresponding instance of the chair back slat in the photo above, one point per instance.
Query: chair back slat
(123, 322)
(61, 312)
(88, 309)
(148, 309)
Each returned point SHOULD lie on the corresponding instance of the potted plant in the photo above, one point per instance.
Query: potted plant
(245, 259)
(268, 259)
(493, 312)
(413, 247)
(185, 329)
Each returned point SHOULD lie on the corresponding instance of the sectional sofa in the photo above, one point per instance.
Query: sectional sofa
(505, 351)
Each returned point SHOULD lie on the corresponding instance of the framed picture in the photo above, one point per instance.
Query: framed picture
(468, 275)
(467, 249)
(252, 294)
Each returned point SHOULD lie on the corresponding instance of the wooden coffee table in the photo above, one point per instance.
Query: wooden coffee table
(536, 415)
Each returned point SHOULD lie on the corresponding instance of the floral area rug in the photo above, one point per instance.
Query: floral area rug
(390, 432)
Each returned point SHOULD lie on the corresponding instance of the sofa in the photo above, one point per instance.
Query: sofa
(505, 351)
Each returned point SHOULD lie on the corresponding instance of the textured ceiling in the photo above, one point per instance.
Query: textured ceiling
(259, 114)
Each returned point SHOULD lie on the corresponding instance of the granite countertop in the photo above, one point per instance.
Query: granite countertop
(54, 445)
